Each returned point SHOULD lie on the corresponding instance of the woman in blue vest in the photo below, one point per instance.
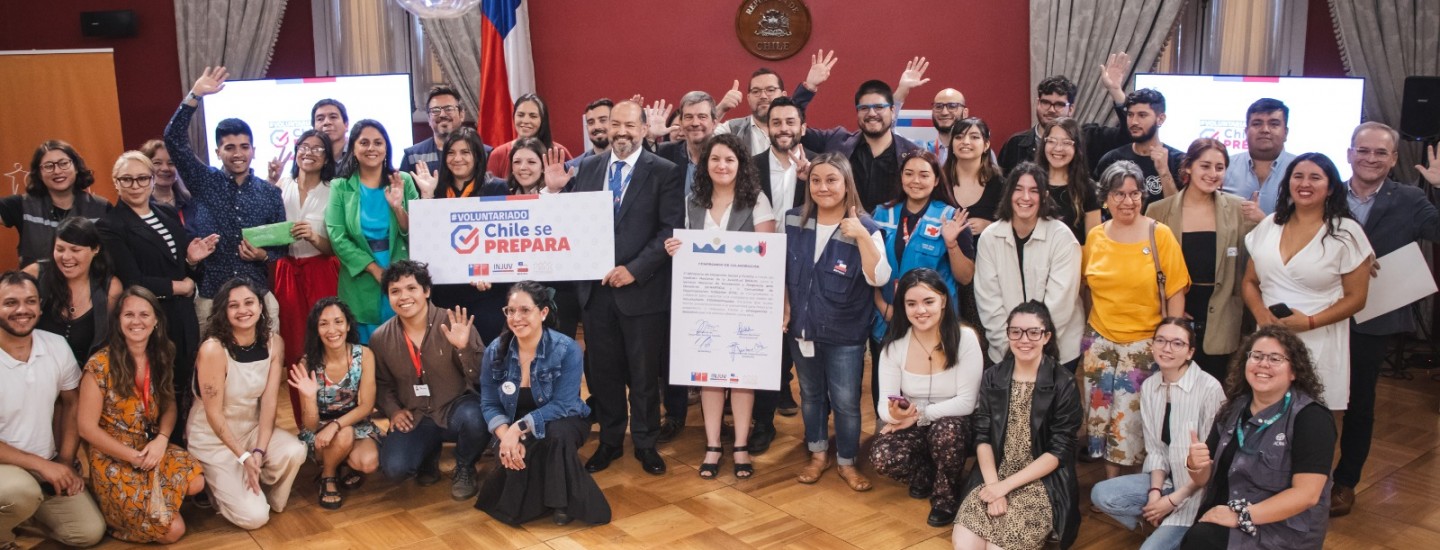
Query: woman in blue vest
(835, 256)
(922, 228)
(726, 196)
(1270, 452)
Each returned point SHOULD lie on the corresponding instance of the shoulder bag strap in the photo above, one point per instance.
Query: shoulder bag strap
(1159, 273)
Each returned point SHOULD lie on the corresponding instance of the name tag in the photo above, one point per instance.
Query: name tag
(807, 347)
(1232, 252)
(422, 390)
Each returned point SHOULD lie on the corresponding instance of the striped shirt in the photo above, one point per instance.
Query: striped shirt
(1194, 400)
(154, 223)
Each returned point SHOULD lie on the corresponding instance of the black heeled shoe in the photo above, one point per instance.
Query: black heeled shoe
(743, 471)
(711, 470)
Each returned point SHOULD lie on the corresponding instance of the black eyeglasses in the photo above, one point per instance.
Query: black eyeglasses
(1033, 334)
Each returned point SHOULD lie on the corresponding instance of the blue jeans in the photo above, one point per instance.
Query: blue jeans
(402, 453)
(831, 381)
(1123, 498)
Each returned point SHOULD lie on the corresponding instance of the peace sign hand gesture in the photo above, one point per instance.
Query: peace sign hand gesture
(457, 328)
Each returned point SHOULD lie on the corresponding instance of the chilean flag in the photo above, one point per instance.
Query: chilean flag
(507, 68)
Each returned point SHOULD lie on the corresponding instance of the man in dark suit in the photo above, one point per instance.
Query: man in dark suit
(697, 124)
(875, 150)
(1394, 215)
(626, 314)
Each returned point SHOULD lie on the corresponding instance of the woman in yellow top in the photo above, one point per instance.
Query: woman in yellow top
(1122, 275)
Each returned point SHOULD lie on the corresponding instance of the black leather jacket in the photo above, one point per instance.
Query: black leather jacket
(1055, 415)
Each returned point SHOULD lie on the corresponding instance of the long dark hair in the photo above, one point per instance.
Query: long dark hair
(159, 351)
(35, 183)
(55, 290)
(1044, 208)
(314, 348)
(533, 145)
(941, 192)
(543, 132)
(445, 180)
(350, 166)
(1078, 185)
(1038, 309)
(747, 180)
(950, 323)
(988, 169)
(1306, 378)
(327, 169)
(217, 326)
(544, 298)
(1336, 205)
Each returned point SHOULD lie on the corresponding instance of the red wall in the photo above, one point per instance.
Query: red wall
(662, 49)
(1322, 47)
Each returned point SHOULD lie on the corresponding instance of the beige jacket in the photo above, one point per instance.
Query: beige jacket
(1052, 276)
(1222, 330)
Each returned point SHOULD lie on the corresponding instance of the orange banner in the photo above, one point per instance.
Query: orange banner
(56, 94)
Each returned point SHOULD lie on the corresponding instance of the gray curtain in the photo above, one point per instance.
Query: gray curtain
(239, 34)
(1073, 38)
(1385, 41)
(456, 45)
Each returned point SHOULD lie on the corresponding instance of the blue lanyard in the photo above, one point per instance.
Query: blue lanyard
(1264, 424)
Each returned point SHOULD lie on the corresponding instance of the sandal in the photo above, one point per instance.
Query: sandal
(854, 479)
(350, 479)
(326, 493)
(710, 470)
(746, 470)
(811, 472)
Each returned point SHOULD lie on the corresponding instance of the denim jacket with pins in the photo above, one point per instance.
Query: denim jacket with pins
(554, 382)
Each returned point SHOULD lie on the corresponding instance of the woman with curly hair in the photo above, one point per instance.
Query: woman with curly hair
(1266, 464)
(726, 196)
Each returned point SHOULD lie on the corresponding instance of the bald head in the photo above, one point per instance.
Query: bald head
(949, 107)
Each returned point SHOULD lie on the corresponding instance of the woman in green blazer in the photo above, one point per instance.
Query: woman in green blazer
(368, 222)
(1212, 233)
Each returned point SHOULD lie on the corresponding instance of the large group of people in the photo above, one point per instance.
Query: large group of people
(1084, 293)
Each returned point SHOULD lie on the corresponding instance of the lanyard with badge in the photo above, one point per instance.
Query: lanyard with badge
(421, 388)
(144, 392)
(1264, 424)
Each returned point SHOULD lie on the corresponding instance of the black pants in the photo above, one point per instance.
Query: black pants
(767, 401)
(553, 479)
(625, 352)
(1367, 353)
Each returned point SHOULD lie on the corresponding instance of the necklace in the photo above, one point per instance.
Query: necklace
(250, 347)
(929, 351)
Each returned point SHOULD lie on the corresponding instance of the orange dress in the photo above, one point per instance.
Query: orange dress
(124, 492)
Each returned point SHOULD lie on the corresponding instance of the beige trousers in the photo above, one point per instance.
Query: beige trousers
(72, 521)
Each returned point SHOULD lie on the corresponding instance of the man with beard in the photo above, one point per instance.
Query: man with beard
(597, 122)
(39, 382)
(1393, 215)
(1144, 114)
(874, 151)
(782, 169)
(1055, 99)
(697, 124)
(235, 188)
(446, 116)
(627, 313)
(766, 86)
(949, 107)
(1255, 174)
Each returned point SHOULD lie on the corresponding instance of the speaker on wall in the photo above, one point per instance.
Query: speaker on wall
(1420, 112)
(107, 24)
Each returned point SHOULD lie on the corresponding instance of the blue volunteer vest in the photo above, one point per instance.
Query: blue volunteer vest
(830, 301)
(925, 249)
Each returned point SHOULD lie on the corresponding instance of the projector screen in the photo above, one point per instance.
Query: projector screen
(278, 111)
(1323, 111)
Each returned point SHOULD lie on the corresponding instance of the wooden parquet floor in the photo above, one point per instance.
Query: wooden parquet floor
(1399, 503)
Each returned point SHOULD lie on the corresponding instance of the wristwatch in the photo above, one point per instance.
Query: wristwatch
(522, 425)
(191, 96)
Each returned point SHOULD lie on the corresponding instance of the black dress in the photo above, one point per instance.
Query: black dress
(553, 478)
(1198, 247)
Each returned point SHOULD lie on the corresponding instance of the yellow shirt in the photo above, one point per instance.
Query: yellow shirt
(1121, 279)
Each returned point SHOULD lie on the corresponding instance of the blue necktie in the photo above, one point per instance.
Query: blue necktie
(617, 183)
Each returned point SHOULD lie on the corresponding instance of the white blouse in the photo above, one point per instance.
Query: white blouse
(951, 392)
(313, 212)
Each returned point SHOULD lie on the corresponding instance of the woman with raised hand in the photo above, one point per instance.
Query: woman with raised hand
(77, 291)
(530, 395)
(368, 222)
(726, 196)
(1023, 492)
(127, 414)
(232, 428)
(930, 373)
(1029, 254)
(336, 382)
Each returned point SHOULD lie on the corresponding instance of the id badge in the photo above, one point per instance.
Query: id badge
(807, 347)
(422, 390)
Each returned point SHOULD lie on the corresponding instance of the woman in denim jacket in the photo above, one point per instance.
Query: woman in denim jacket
(530, 395)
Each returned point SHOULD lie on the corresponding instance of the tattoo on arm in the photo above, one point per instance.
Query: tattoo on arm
(209, 391)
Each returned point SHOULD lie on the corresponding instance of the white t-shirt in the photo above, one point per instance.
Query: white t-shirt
(782, 184)
(28, 392)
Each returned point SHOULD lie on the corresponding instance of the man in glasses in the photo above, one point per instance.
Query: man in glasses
(446, 115)
(1055, 99)
(1393, 215)
(765, 86)
(1144, 114)
(947, 109)
(875, 150)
